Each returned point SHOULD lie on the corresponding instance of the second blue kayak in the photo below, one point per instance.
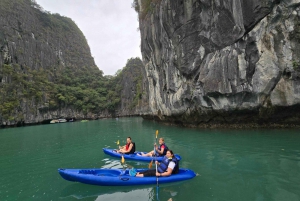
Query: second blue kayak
(135, 156)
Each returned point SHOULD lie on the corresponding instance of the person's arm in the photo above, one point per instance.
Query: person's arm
(129, 148)
(168, 172)
(165, 174)
(161, 151)
(121, 149)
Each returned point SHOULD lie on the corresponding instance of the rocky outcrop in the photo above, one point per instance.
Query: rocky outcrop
(230, 61)
(134, 92)
(32, 37)
(34, 40)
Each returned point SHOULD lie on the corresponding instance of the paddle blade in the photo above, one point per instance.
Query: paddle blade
(118, 142)
(150, 164)
(122, 160)
(156, 133)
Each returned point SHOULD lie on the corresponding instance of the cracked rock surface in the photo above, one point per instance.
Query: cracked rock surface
(229, 61)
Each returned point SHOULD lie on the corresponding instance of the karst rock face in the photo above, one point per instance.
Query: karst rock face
(222, 61)
(32, 39)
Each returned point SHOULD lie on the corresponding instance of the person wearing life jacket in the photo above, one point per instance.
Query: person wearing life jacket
(160, 150)
(169, 165)
(129, 148)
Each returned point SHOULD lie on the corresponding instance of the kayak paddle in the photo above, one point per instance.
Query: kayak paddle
(156, 165)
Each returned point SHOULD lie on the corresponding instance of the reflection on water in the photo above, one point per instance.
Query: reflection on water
(80, 191)
(130, 193)
(138, 194)
(116, 164)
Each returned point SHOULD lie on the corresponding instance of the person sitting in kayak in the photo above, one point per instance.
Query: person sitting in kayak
(129, 148)
(169, 165)
(159, 151)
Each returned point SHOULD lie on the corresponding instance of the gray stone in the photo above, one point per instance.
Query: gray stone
(222, 61)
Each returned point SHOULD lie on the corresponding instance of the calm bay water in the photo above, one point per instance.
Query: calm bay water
(232, 165)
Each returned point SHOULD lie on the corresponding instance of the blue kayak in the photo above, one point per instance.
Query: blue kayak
(119, 177)
(135, 156)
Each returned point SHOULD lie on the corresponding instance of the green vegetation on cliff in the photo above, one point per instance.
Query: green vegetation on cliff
(90, 91)
(83, 89)
(46, 66)
(19, 86)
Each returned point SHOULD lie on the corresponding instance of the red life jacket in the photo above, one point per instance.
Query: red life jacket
(132, 149)
(127, 146)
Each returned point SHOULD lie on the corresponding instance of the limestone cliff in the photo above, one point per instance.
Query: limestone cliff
(36, 45)
(229, 61)
(134, 89)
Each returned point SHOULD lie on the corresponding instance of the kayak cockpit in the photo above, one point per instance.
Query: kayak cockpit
(103, 172)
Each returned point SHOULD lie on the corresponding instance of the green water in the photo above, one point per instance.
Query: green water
(232, 165)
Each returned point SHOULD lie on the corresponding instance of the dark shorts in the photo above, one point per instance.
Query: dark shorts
(149, 173)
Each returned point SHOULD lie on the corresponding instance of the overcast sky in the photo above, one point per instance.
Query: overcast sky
(110, 27)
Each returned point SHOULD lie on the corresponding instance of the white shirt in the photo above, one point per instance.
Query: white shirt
(171, 165)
